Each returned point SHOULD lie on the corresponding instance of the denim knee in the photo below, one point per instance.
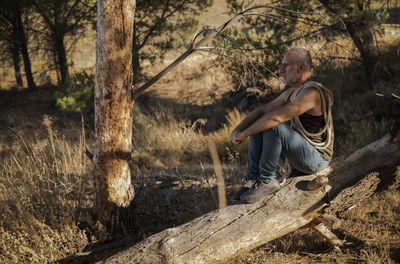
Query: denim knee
(278, 130)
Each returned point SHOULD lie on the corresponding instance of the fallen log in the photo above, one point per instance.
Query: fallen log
(302, 202)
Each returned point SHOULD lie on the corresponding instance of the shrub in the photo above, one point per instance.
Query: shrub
(77, 92)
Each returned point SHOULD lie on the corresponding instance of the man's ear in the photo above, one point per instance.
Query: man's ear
(300, 67)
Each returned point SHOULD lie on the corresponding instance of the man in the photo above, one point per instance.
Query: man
(297, 126)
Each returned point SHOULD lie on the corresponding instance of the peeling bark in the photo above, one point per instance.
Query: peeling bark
(113, 107)
(225, 233)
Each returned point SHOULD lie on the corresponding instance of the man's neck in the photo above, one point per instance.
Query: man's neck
(302, 80)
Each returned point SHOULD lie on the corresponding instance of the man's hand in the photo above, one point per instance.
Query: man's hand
(237, 137)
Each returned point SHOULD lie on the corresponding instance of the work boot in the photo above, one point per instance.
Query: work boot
(260, 190)
(248, 183)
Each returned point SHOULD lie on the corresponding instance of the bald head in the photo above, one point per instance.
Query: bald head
(296, 67)
(300, 55)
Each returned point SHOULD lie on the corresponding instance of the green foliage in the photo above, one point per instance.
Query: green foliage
(78, 93)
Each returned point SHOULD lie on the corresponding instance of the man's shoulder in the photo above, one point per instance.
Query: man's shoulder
(313, 84)
(313, 87)
(320, 88)
(308, 90)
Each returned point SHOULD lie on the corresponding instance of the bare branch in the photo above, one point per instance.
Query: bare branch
(211, 33)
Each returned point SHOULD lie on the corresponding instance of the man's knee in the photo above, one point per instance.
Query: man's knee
(279, 130)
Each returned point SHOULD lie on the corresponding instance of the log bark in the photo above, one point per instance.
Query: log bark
(225, 233)
(113, 111)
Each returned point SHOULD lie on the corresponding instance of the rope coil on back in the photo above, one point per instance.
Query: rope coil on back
(327, 102)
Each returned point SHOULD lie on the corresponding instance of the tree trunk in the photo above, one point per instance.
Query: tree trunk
(360, 26)
(363, 38)
(135, 58)
(222, 234)
(24, 47)
(17, 69)
(61, 56)
(56, 68)
(113, 107)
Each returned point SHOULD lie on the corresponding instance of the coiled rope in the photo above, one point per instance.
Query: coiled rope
(327, 102)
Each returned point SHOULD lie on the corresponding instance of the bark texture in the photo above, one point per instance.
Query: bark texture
(17, 69)
(113, 106)
(222, 234)
(363, 38)
(59, 47)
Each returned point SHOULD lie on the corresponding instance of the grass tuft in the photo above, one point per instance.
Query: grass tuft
(44, 182)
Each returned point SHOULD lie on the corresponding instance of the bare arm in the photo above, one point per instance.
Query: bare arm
(305, 101)
(260, 111)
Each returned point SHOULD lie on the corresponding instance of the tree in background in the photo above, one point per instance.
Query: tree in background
(360, 22)
(288, 21)
(10, 48)
(13, 33)
(64, 18)
(157, 23)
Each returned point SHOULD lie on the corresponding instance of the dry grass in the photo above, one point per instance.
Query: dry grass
(44, 181)
(169, 140)
(234, 153)
(198, 80)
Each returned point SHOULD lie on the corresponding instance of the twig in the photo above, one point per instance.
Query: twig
(218, 172)
(88, 153)
(344, 58)
(208, 183)
(395, 96)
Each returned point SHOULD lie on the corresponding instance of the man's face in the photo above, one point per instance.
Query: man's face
(289, 70)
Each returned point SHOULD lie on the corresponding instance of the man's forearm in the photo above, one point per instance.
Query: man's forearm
(249, 119)
(261, 124)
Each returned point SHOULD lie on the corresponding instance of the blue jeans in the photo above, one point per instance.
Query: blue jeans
(265, 148)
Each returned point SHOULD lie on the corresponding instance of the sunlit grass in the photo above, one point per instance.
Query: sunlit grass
(43, 183)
